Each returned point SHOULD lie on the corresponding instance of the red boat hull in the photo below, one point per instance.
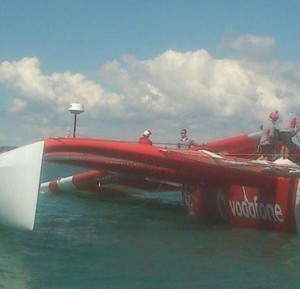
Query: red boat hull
(224, 189)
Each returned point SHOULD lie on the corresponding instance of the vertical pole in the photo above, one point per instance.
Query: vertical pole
(75, 119)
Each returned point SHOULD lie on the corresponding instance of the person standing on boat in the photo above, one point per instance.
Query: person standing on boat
(288, 128)
(184, 142)
(145, 139)
(267, 138)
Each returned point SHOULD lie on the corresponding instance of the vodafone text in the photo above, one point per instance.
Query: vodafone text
(250, 210)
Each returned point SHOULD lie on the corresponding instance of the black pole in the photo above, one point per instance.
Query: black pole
(75, 119)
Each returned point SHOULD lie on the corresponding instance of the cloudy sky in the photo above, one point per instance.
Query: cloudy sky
(215, 67)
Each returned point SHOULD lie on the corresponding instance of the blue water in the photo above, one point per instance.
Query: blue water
(88, 241)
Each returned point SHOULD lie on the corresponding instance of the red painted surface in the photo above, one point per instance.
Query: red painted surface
(249, 207)
(226, 189)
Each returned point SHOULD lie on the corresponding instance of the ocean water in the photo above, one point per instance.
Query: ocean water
(87, 241)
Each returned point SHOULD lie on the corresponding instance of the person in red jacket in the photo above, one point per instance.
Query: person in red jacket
(145, 138)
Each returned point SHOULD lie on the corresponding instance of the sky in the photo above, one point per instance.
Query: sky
(216, 68)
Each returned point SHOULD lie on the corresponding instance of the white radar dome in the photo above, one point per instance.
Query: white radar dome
(76, 107)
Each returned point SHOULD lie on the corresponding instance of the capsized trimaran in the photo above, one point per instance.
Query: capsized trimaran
(220, 181)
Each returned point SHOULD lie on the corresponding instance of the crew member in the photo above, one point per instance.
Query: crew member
(268, 136)
(289, 128)
(145, 139)
(184, 142)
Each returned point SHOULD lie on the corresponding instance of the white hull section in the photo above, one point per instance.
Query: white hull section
(20, 172)
(297, 207)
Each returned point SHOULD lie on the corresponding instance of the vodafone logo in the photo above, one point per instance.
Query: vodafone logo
(249, 210)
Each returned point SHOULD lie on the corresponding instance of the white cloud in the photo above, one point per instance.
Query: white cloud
(244, 41)
(211, 97)
(253, 47)
(55, 91)
(25, 76)
(17, 105)
(193, 84)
